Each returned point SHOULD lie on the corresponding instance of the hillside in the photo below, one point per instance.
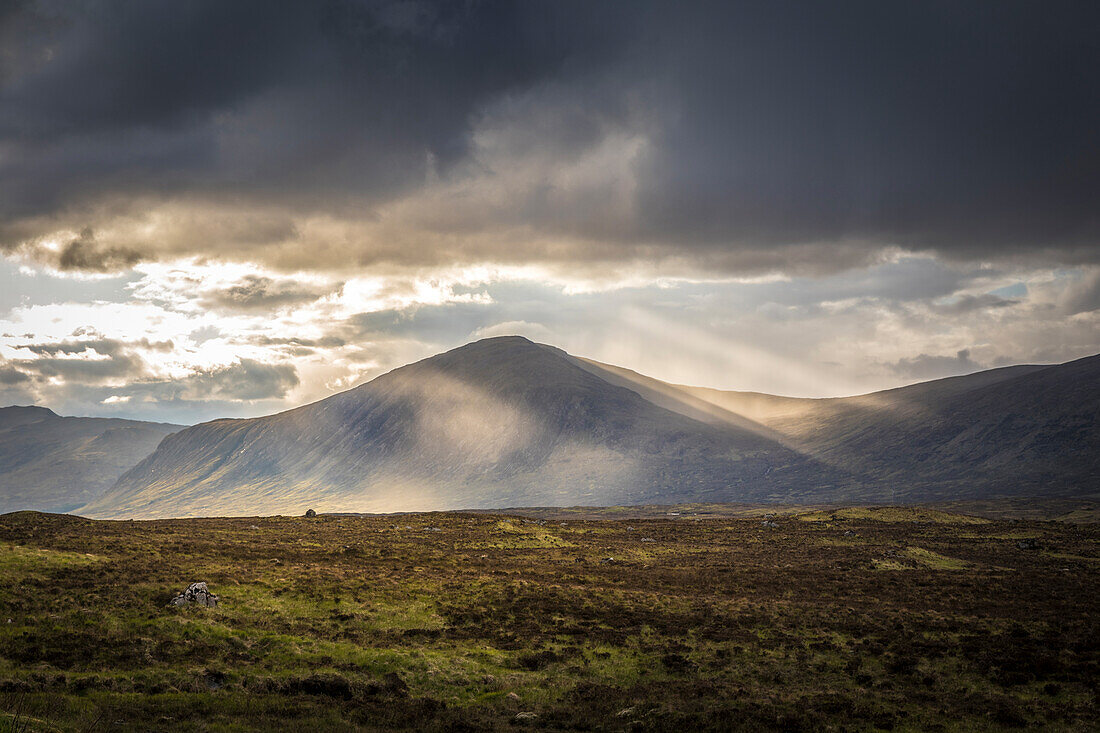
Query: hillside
(54, 463)
(1014, 431)
(501, 422)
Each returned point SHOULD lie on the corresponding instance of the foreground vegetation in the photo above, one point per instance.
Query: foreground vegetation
(833, 619)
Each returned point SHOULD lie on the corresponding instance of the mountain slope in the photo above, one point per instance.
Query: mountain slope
(1012, 431)
(507, 422)
(54, 463)
(501, 422)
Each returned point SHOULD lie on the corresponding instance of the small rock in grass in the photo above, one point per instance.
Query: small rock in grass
(525, 716)
(197, 595)
(512, 696)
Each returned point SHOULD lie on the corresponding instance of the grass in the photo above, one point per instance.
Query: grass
(891, 514)
(467, 621)
(22, 562)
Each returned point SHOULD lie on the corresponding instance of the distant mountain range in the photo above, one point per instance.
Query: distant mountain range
(505, 422)
(58, 464)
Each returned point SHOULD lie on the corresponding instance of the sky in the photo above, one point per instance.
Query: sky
(214, 209)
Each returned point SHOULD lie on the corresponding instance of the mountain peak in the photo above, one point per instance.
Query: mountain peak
(505, 366)
(510, 338)
(500, 346)
(28, 409)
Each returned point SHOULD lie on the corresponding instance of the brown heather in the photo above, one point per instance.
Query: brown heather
(849, 620)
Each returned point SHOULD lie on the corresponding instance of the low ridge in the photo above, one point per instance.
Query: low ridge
(54, 463)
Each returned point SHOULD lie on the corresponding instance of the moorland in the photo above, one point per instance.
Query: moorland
(842, 619)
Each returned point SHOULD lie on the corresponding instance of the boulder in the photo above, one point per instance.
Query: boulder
(311, 513)
(195, 595)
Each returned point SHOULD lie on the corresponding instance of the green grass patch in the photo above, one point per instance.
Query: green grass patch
(890, 514)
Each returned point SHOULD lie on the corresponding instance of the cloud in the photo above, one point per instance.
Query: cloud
(255, 292)
(245, 380)
(83, 253)
(10, 375)
(165, 354)
(93, 361)
(967, 303)
(926, 366)
(1083, 296)
(533, 331)
(695, 138)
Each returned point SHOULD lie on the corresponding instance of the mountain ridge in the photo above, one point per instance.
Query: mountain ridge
(509, 422)
(54, 463)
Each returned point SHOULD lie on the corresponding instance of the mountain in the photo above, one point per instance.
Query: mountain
(505, 422)
(54, 463)
(500, 422)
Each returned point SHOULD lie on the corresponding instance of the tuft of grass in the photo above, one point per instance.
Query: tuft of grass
(936, 561)
(891, 514)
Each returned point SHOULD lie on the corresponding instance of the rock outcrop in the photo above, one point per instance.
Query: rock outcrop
(195, 595)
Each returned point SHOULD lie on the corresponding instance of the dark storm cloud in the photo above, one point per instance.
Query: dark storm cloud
(334, 94)
(955, 126)
(770, 135)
